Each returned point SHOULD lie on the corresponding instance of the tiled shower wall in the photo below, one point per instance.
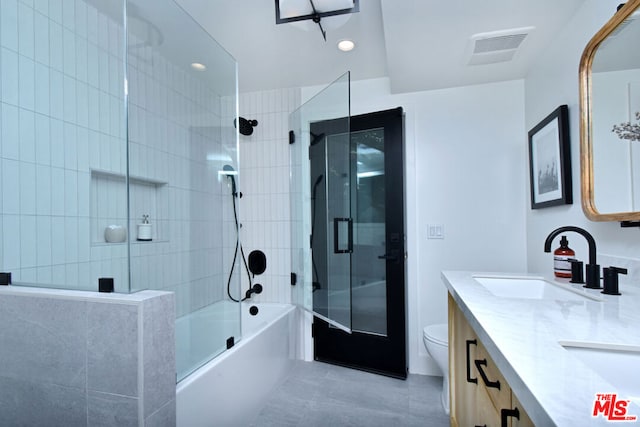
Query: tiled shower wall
(265, 209)
(62, 114)
(181, 135)
(63, 138)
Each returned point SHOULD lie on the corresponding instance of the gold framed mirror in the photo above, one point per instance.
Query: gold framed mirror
(609, 119)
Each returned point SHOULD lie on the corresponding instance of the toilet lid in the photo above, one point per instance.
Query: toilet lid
(438, 333)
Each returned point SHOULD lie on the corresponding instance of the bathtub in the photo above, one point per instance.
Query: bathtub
(231, 389)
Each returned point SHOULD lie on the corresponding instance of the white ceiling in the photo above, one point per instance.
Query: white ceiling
(418, 44)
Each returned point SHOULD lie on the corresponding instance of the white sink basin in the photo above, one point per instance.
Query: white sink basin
(617, 364)
(531, 288)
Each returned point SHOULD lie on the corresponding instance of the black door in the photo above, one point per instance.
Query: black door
(358, 242)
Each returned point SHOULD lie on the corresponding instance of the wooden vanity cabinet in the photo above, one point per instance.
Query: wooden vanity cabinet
(480, 395)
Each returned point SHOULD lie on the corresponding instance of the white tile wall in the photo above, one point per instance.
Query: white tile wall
(264, 178)
(9, 24)
(10, 75)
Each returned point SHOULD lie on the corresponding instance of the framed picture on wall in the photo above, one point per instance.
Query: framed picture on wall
(550, 161)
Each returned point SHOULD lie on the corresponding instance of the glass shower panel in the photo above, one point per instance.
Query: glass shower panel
(301, 266)
(63, 155)
(115, 153)
(311, 185)
(369, 275)
(182, 148)
(333, 298)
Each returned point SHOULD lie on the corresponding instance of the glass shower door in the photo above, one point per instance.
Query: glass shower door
(348, 244)
(370, 255)
(363, 213)
(322, 231)
(182, 143)
(332, 298)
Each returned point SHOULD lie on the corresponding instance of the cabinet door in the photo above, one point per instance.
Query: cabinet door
(486, 414)
(462, 351)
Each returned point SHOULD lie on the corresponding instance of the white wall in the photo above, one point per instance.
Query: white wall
(552, 82)
(465, 169)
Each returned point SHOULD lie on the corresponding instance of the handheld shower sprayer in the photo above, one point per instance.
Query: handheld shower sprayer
(315, 278)
(229, 171)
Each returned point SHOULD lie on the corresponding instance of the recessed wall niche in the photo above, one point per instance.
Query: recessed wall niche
(109, 206)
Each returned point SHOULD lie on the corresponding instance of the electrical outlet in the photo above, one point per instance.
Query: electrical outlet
(435, 231)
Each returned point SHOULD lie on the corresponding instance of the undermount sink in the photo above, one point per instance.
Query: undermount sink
(615, 363)
(531, 288)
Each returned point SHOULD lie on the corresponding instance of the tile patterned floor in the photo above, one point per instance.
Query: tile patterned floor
(324, 395)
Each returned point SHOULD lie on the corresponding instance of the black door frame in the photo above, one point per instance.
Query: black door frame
(385, 355)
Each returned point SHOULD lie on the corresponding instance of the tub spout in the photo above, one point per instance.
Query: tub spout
(593, 269)
(256, 289)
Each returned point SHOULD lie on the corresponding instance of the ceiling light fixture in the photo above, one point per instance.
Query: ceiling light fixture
(198, 66)
(288, 11)
(346, 45)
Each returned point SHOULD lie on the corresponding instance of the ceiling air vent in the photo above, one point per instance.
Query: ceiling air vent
(496, 46)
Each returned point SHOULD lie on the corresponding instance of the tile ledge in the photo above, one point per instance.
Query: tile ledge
(113, 298)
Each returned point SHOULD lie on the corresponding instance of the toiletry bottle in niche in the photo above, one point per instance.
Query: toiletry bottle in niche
(561, 257)
(144, 229)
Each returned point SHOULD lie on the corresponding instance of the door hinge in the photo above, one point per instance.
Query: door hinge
(292, 137)
(294, 279)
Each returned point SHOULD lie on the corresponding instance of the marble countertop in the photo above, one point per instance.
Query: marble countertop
(522, 336)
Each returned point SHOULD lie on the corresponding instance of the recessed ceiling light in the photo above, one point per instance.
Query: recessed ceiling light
(346, 45)
(198, 66)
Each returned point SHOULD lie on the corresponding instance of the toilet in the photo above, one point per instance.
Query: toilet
(435, 338)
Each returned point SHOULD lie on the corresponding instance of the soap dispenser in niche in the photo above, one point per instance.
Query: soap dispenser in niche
(562, 259)
(144, 229)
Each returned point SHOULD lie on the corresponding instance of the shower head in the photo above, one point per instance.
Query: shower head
(246, 126)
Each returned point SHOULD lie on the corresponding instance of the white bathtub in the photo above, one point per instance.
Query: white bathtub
(233, 387)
